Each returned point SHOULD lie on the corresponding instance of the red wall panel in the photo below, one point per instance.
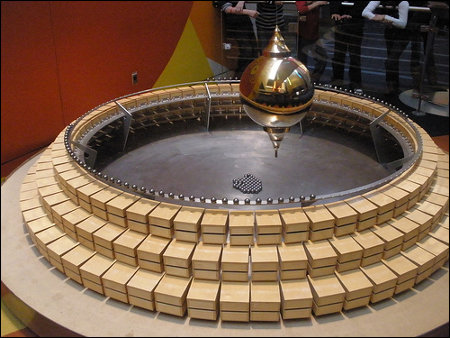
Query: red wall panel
(61, 58)
(31, 104)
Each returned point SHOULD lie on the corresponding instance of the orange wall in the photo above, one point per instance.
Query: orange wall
(60, 59)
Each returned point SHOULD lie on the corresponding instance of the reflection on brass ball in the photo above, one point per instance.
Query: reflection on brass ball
(276, 90)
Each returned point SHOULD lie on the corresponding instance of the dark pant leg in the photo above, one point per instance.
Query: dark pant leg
(340, 50)
(396, 42)
(355, 37)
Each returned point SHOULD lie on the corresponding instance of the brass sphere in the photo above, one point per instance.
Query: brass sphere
(276, 89)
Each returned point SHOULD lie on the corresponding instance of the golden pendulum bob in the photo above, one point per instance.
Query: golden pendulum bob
(276, 90)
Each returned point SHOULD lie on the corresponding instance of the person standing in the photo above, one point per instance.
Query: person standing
(348, 36)
(394, 15)
(239, 27)
(309, 37)
(270, 15)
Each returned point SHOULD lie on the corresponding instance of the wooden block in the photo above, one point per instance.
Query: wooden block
(409, 228)
(30, 204)
(235, 297)
(161, 231)
(172, 290)
(292, 257)
(296, 237)
(411, 187)
(188, 219)
(293, 274)
(424, 220)
(399, 195)
(118, 276)
(241, 240)
(382, 201)
(420, 257)
(106, 235)
(343, 213)
(142, 286)
(89, 226)
(74, 184)
(321, 271)
(265, 276)
(392, 251)
(349, 265)
(431, 209)
(173, 310)
(437, 248)
(366, 224)
(235, 258)
(441, 234)
(400, 209)
(320, 235)
(100, 213)
(187, 236)
(320, 218)
(203, 295)
(356, 284)
(206, 274)
(138, 226)
(372, 259)
(150, 265)
(384, 217)
(386, 294)
(178, 254)
(102, 197)
(152, 248)
(438, 199)
(294, 220)
(296, 294)
(76, 257)
(39, 225)
(343, 230)
(268, 222)
(74, 217)
(406, 285)
(48, 235)
(370, 242)
(163, 215)
(128, 242)
(355, 303)
(235, 316)
(381, 277)
(119, 204)
(266, 239)
(264, 258)
(214, 238)
(241, 223)
(320, 254)
(140, 210)
(235, 276)
(95, 267)
(33, 214)
(326, 290)
(84, 192)
(49, 190)
(390, 235)
(207, 256)
(347, 248)
(60, 246)
(296, 313)
(214, 221)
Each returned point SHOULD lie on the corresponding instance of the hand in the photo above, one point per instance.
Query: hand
(322, 3)
(252, 13)
(335, 17)
(346, 16)
(378, 17)
(239, 7)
